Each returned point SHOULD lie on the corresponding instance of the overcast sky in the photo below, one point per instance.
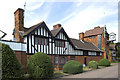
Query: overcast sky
(75, 16)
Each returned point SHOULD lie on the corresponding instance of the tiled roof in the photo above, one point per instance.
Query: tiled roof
(28, 30)
(92, 32)
(55, 31)
(83, 45)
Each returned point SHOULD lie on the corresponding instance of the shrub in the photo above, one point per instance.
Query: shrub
(93, 64)
(104, 62)
(11, 68)
(40, 66)
(73, 67)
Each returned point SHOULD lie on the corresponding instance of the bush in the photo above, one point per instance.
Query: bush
(93, 64)
(40, 66)
(11, 68)
(104, 62)
(73, 67)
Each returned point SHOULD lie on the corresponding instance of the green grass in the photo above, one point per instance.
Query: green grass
(59, 73)
(115, 62)
(86, 68)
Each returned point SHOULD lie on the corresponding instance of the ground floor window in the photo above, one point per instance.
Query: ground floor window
(72, 57)
(60, 59)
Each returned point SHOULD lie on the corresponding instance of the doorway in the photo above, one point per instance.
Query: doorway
(85, 61)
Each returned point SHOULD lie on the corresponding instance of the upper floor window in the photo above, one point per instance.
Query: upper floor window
(99, 41)
(59, 43)
(41, 41)
(92, 53)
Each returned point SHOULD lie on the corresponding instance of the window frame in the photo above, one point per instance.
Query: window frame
(41, 41)
(59, 43)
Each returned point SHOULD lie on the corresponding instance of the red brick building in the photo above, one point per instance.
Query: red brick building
(99, 37)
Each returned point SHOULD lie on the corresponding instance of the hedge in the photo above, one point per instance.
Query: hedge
(11, 68)
(104, 62)
(40, 66)
(73, 67)
(93, 64)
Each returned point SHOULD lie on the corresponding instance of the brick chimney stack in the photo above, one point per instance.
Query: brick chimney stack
(81, 36)
(56, 26)
(19, 24)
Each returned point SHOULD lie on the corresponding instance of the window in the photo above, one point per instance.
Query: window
(62, 59)
(99, 41)
(56, 59)
(41, 41)
(59, 43)
(85, 53)
(100, 54)
(92, 53)
(80, 53)
(72, 57)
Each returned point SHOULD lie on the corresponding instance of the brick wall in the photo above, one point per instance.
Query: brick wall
(88, 58)
(93, 40)
(104, 46)
(77, 58)
(22, 58)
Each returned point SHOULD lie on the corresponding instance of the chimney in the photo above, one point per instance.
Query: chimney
(56, 26)
(81, 36)
(19, 24)
(97, 27)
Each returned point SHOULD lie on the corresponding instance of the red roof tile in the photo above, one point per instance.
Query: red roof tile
(95, 31)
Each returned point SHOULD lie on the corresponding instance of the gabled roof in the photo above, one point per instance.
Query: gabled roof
(95, 31)
(83, 45)
(34, 27)
(55, 31)
(28, 30)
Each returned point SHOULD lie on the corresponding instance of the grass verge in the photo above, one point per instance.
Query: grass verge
(86, 69)
(59, 74)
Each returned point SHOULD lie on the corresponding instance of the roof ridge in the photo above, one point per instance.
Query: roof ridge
(57, 28)
(94, 29)
(37, 23)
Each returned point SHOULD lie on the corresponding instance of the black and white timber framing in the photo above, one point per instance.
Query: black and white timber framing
(40, 39)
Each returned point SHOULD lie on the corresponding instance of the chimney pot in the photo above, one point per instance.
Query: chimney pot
(56, 26)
